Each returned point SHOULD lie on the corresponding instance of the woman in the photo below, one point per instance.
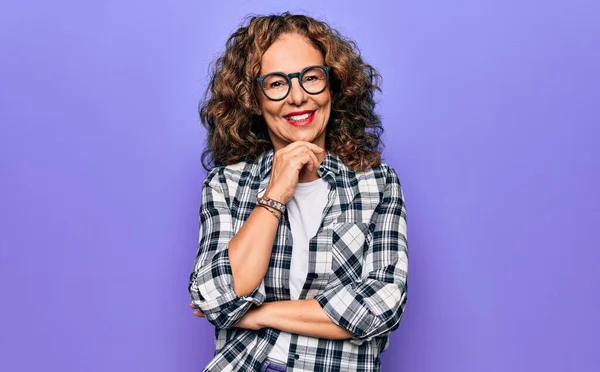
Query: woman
(302, 259)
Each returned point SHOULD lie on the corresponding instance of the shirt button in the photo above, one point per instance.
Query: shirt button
(296, 356)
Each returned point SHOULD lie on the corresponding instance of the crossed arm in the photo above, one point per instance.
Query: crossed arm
(358, 311)
(303, 317)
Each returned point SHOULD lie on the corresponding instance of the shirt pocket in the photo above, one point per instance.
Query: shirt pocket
(348, 245)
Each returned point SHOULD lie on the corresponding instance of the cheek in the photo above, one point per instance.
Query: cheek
(271, 108)
(325, 100)
(271, 112)
(325, 104)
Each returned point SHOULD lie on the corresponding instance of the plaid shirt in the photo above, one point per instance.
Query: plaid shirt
(357, 268)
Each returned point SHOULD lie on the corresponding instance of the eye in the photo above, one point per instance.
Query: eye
(311, 78)
(277, 84)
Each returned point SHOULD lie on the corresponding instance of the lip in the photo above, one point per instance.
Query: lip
(300, 123)
(298, 113)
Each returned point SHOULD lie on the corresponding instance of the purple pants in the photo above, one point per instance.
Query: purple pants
(271, 366)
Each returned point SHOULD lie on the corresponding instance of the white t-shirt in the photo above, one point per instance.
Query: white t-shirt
(305, 212)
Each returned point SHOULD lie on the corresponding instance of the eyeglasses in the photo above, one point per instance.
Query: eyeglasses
(277, 85)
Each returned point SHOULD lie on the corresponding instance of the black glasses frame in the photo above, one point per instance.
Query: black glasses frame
(289, 78)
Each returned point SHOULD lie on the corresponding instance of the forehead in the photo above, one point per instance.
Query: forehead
(290, 53)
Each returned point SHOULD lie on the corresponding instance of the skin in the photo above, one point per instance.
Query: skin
(298, 153)
(292, 53)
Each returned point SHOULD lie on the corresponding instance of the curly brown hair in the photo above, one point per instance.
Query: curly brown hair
(230, 111)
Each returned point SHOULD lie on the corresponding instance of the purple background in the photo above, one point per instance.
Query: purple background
(492, 113)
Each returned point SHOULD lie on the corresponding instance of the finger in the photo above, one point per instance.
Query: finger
(314, 147)
(192, 306)
(289, 147)
(300, 158)
(199, 314)
(309, 161)
(307, 157)
(298, 144)
(296, 157)
(303, 159)
(315, 161)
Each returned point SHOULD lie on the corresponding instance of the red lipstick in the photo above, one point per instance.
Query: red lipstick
(307, 117)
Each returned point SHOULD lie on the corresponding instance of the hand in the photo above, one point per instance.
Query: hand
(197, 312)
(287, 164)
(251, 320)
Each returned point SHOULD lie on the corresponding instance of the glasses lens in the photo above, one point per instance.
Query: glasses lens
(314, 80)
(275, 86)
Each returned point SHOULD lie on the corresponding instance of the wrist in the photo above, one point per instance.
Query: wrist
(273, 211)
(266, 198)
(276, 195)
(264, 316)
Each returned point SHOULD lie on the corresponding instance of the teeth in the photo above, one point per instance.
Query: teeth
(299, 117)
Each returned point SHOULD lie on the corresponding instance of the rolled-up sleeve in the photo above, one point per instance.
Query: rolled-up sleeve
(374, 306)
(211, 280)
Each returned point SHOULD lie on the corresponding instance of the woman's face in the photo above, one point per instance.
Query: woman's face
(300, 116)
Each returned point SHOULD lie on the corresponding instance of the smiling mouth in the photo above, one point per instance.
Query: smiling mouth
(304, 118)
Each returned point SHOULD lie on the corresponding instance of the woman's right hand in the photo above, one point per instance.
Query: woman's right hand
(287, 164)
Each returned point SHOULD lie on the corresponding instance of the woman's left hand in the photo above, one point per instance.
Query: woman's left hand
(197, 312)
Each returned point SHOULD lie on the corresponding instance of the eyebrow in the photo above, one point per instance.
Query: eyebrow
(287, 73)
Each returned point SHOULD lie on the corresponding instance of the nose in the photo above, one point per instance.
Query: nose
(297, 95)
